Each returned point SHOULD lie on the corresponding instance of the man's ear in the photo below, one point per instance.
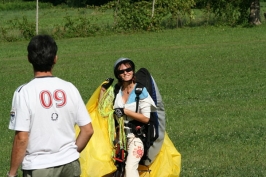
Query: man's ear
(55, 59)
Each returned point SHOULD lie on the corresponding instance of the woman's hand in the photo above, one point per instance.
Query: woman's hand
(119, 112)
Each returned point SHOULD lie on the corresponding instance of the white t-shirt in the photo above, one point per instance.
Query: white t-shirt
(48, 108)
(146, 104)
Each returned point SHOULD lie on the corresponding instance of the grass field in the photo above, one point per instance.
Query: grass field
(212, 81)
(50, 19)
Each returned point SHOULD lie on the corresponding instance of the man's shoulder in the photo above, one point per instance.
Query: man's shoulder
(63, 81)
(20, 87)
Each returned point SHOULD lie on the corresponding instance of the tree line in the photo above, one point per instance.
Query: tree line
(230, 12)
(134, 15)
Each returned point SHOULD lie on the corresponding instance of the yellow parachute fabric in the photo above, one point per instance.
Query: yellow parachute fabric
(96, 159)
(166, 164)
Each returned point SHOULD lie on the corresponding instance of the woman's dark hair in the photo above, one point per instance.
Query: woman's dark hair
(123, 61)
(120, 81)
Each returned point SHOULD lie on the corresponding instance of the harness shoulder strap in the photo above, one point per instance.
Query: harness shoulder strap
(116, 90)
(138, 91)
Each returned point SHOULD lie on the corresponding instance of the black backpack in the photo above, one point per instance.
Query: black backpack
(151, 134)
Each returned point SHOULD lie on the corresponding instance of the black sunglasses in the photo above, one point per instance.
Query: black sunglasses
(123, 70)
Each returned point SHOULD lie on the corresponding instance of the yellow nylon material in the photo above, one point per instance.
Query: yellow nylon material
(105, 108)
(166, 164)
(96, 159)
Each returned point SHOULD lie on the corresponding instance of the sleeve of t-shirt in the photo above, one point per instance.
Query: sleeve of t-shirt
(146, 104)
(145, 108)
(83, 116)
(19, 114)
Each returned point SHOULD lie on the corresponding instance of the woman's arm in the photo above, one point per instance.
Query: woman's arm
(137, 116)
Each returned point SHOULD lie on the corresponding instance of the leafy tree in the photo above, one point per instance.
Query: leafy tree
(149, 14)
(178, 9)
(231, 12)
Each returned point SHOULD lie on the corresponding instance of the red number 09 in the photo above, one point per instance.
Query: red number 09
(46, 98)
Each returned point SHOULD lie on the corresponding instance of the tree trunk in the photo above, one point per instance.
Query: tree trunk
(152, 11)
(254, 16)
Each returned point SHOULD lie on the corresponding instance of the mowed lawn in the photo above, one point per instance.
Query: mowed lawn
(212, 80)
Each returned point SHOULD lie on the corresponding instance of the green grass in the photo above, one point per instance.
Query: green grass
(212, 81)
(52, 17)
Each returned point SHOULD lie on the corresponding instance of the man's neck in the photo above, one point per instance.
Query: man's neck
(42, 74)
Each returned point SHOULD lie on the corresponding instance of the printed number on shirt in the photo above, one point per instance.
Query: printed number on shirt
(47, 98)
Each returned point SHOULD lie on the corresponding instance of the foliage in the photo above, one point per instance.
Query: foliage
(227, 12)
(26, 29)
(76, 3)
(23, 6)
(138, 15)
(117, 17)
(54, 2)
(80, 27)
(58, 22)
(178, 10)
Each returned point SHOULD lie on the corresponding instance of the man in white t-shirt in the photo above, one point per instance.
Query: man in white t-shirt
(43, 115)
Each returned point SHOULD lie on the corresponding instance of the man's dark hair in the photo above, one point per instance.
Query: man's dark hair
(42, 51)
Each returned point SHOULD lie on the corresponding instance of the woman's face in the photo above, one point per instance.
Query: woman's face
(125, 72)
